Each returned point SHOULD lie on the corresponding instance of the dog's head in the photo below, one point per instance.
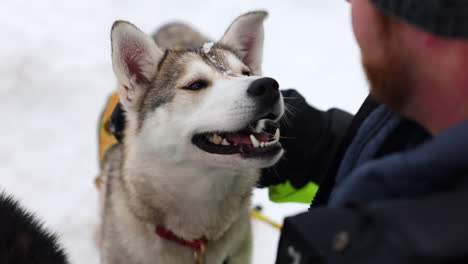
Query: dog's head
(205, 105)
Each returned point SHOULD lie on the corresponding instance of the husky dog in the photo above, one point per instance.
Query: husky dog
(23, 239)
(178, 189)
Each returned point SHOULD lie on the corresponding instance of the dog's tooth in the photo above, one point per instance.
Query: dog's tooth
(262, 144)
(255, 142)
(277, 135)
(225, 142)
(212, 140)
(218, 139)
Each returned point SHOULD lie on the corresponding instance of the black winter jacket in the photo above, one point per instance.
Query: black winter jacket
(402, 202)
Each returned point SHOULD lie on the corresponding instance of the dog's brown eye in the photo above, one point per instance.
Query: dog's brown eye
(198, 85)
(246, 72)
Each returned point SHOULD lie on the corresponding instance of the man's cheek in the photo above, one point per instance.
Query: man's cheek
(367, 28)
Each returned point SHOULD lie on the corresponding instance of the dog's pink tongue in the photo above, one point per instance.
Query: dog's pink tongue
(245, 138)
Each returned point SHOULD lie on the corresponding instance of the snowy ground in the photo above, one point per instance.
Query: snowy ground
(55, 74)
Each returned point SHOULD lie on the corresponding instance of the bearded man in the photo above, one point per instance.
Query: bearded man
(392, 181)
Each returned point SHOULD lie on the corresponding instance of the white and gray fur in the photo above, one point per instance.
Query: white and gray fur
(158, 177)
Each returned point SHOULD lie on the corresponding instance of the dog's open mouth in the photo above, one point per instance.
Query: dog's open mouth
(247, 142)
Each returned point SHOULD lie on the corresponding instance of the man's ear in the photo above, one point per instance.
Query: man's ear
(245, 36)
(135, 58)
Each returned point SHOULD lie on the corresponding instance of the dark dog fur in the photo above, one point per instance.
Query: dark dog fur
(23, 239)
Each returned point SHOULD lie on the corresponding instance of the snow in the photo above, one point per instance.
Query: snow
(56, 73)
(207, 47)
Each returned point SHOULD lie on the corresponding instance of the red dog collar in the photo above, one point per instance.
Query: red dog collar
(194, 244)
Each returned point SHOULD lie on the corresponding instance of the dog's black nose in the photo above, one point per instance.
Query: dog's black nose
(265, 90)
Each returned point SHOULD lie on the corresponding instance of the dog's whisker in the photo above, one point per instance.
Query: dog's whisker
(285, 119)
(291, 98)
(281, 137)
(292, 108)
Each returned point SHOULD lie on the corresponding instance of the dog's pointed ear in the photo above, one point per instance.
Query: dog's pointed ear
(245, 36)
(135, 57)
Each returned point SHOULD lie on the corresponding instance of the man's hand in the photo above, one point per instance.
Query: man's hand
(309, 137)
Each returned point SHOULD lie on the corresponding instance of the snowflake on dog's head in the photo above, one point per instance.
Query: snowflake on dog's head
(207, 47)
(206, 50)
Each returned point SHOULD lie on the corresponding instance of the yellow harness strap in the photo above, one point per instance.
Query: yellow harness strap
(255, 213)
(106, 138)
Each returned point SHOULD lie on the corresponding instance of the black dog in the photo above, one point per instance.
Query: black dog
(23, 239)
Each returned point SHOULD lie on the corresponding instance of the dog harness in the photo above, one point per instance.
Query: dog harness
(106, 138)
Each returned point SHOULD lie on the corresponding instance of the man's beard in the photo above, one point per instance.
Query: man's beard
(389, 82)
(388, 75)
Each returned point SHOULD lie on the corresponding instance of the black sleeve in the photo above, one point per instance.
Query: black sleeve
(328, 180)
(310, 138)
(429, 229)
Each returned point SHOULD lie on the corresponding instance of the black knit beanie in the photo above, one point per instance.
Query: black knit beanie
(447, 18)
